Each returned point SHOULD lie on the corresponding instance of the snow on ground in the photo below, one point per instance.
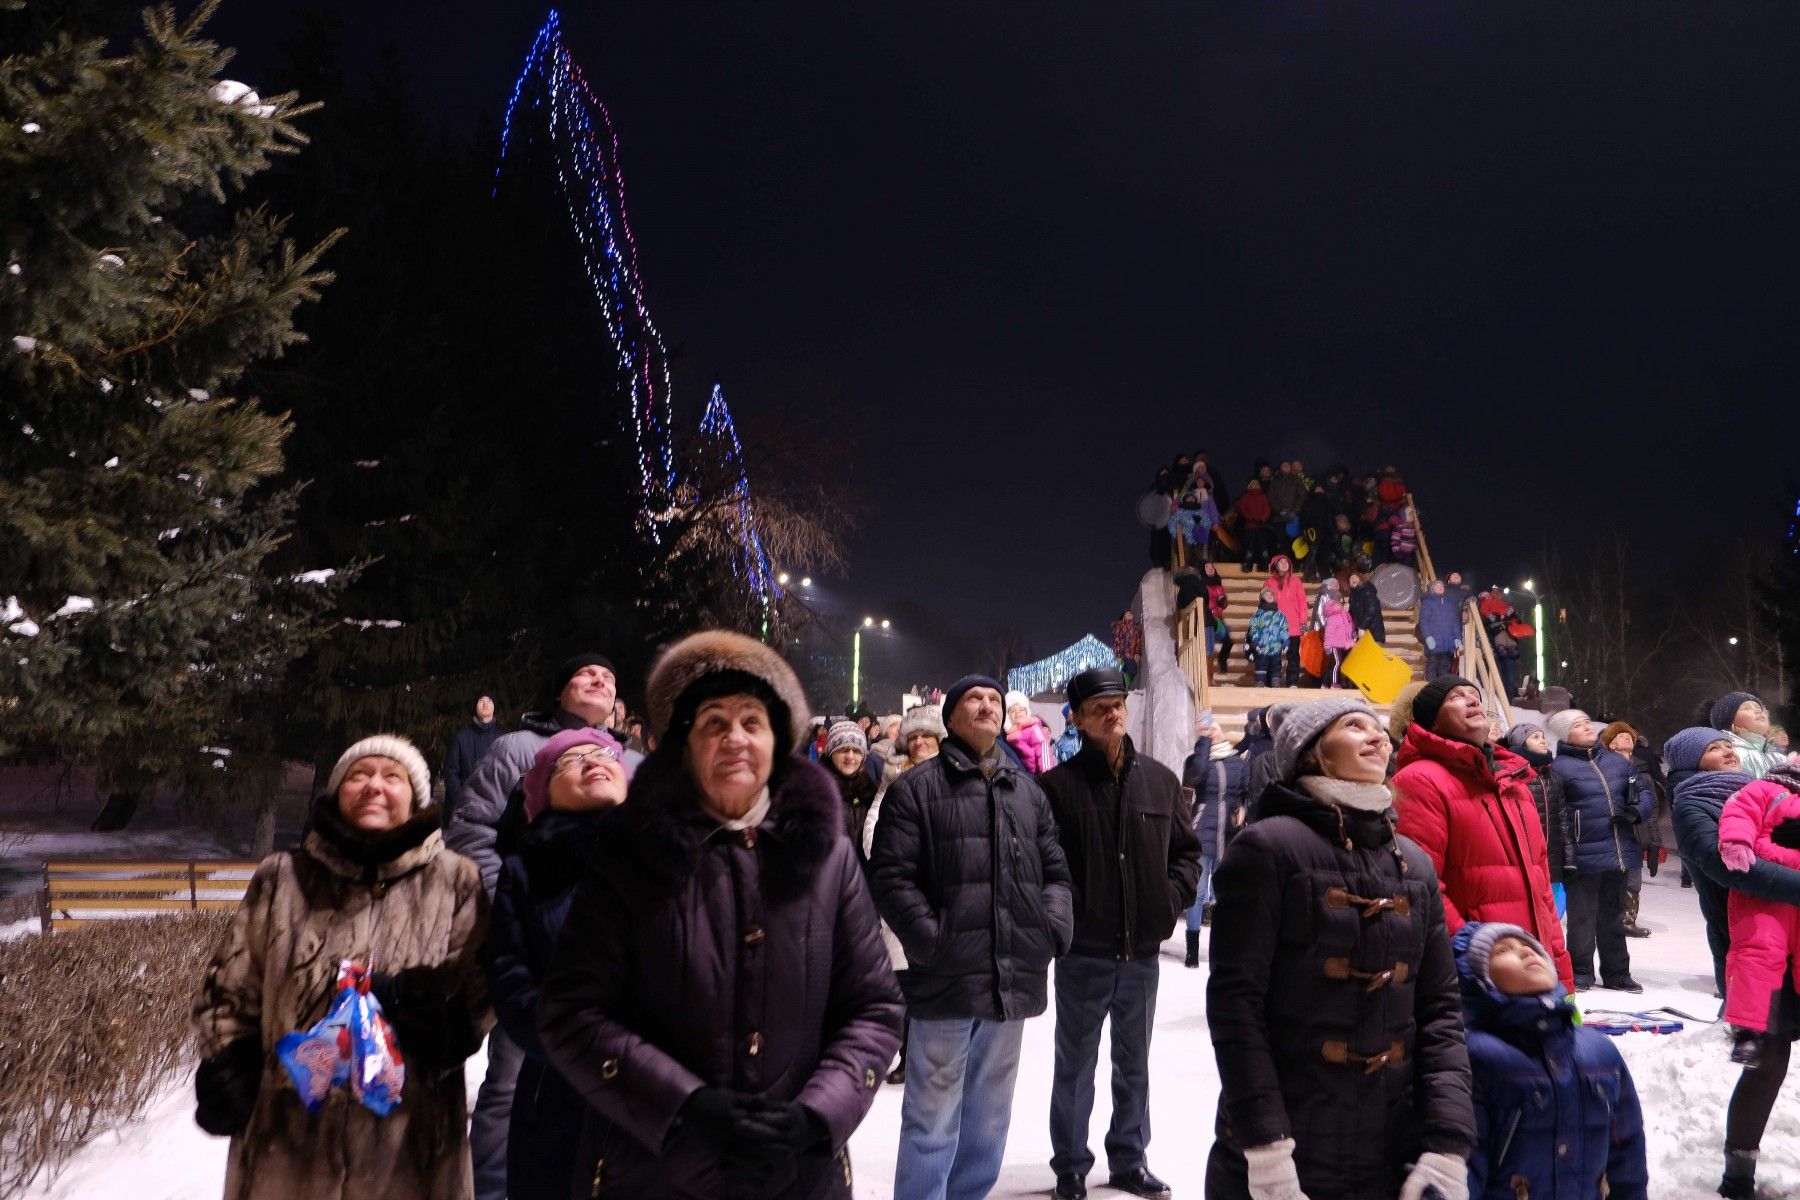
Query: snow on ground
(1683, 1080)
(181, 843)
(13, 930)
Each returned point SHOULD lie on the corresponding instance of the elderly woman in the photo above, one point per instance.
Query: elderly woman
(1334, 1002)
(572, 800)
(720, 996)
(371, 882)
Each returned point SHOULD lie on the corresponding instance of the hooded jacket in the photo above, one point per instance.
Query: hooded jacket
(537, 887)
(1365, 610)
(968, 872)
(1268, 630)
(1700, 798)
(1290, 598)
(693, 956)
(1440, 623)
(392, 902)
(1033, 742)
(1547, 794)
(1606, 800)
(1132, 854)
(1754, 752)
(1253, 508)
(1333, 1000)
(1221, 785)
(1556, 1112)
(1470, 810)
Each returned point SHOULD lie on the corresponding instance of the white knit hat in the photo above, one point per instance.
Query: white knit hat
(1557, 725)
(387, 745)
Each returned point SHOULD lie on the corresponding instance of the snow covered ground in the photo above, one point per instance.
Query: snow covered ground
(1684, 1081)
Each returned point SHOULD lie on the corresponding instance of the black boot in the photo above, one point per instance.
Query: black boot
(1193, 954)
(1740, 1175)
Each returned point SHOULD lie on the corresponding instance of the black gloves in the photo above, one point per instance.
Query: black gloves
(753, 1135)
(1787, 834)
(1652, 859)
(789, 1125)
(226, 1085)
(430, 1015)
(1628, 817)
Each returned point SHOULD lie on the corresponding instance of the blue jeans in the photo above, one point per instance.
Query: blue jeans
(1088, 991)
(957, 1109)
(1203, 895)
(492, 1118)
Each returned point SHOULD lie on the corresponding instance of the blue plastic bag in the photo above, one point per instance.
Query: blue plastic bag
(1561, 896)
(351, 1046)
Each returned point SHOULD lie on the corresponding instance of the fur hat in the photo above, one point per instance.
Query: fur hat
(1724, 709)
(1683, 750)
(386, 745)
(718, 662)
(1400, 712)
(922, 718)
(845, 735)
(1015, 699)
(1557, 725)
(1428, 702)
(1615, 729)
(1298, 725)
(1482, 941)
(536, 783)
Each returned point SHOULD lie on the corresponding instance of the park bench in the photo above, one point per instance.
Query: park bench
(80, 891)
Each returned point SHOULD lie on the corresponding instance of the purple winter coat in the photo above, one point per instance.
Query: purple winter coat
(697, 956)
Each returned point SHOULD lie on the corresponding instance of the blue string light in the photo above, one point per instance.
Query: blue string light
(585, 150)
(1053, 674)
(750, 563)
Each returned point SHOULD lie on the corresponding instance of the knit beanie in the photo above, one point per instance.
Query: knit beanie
(1683, 750)
(1014, 699)
(1297, 726)
(565, 671)
(1559, 724)
(1614, 730)
(961, 688)
(386, 745)
(921, 718)
(1481, 946)
(1430, 700)
(1724, 709)
(1515, 737)
(845, 735)
(536, 783)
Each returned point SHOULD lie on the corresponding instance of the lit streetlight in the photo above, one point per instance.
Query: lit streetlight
(1537, 623)
(1732, 641)
(806, 581)
(782, 579)
(856, 657)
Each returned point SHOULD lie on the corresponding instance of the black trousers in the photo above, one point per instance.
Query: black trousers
(1597, 917)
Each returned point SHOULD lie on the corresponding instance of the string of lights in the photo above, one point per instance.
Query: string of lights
(718, 432)
(584, 148)
(1053, 674)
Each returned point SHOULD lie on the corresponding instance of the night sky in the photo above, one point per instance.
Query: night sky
(1541, 257)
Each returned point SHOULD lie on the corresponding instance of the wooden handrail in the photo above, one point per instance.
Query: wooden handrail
(1480, 665)
(1190, 650)
(1427, 572)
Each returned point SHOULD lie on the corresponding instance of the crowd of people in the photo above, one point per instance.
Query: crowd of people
(695, 965)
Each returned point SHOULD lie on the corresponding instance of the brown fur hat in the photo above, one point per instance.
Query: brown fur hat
(1400, 712)
(679, 683)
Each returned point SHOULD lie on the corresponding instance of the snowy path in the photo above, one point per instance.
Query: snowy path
(1684, 1081)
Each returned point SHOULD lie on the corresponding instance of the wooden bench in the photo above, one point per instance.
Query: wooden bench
(77, 892)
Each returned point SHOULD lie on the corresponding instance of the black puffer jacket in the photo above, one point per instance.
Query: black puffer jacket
(1552, 809)
(1132, 853)
(968, 873)
(1314, 911)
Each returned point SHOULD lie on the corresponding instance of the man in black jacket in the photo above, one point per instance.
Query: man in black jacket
(1135, 861)
(968, 873)
(471, 742)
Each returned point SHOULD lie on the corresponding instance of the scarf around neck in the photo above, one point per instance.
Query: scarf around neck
(1345, 793)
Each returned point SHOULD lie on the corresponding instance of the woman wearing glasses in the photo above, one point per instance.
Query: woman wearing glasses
(572, 796)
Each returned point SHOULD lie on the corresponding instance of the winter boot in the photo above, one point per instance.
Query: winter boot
(1746, 1050)
(1632, 928)
(1740, 1175)
(1193, 948)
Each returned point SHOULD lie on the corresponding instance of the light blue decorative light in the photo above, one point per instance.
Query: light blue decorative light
(1053, 674)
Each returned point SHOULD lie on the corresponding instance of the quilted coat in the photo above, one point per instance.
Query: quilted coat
(391, 902)
(1606, 799)
(695, 955)
(1556, 1113)
(1469, 808)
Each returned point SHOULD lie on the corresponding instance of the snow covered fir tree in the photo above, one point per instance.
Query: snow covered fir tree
(137, 516)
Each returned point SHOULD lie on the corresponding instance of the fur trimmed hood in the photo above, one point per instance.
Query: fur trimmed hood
(711, 651)
(666, 831)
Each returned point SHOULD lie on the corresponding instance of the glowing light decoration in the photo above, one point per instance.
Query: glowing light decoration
(1053, 674)
(751, 562)
(584, 148)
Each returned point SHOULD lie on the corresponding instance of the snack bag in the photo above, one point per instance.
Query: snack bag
(352, 1045)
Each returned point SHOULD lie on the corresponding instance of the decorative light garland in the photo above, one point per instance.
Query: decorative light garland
(750, 563)
(1053, 674)
(585, 150)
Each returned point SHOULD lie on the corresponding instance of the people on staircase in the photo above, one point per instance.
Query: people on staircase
(1128, 836)
(1254, 514)
(1219, 776)
(1440, 629)
(1531, 743)
(1128, 644)
(1193, 519)
(1606, 799)
(1290, 598)
(1318, 519)
(1268, 639)
(1325, 1089)
(1338, 628)
(1745, 719)
(1497, 618)
(1403, 537)
(1365, 608)
(1286, 493)
(1466, 803)
(1622, 739)
(1219, 640)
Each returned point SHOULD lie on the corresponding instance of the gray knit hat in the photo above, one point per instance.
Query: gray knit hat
(386, 745)
(1298, 725)
(1515, 737)
(1481, 946)
(845, 735)
(1557, 725)
(1725, 708)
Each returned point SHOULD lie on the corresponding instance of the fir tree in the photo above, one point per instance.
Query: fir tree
(137, 520)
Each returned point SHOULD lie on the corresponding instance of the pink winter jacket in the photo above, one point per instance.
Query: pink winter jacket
(1290, 598)
(1340, 630)
(1765, 934)
(1032, 741)
(1751, 815)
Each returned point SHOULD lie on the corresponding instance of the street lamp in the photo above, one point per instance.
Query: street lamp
(1537, 623)
(1732, 641)
(856, 657)
(806, 581)
(782, 579)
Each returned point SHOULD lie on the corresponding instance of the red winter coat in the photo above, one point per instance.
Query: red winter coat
(1481, 829)
(1290, 598)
